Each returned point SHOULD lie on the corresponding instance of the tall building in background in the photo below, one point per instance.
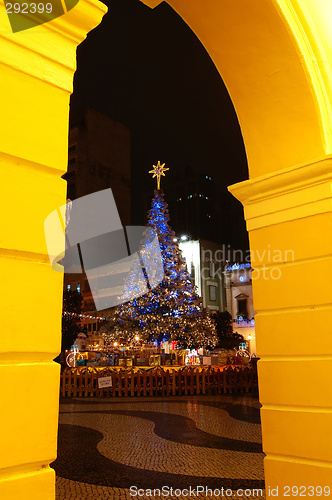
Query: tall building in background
(200, 209)
(193, 203)
(98, 158)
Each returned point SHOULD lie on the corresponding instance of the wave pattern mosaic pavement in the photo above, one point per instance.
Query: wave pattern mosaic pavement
(107, 446)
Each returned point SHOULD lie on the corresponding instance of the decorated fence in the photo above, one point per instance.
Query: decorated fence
(86, 381)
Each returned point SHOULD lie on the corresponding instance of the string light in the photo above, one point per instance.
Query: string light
(99, 318)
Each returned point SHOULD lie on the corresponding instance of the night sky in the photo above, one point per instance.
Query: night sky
(147, 69)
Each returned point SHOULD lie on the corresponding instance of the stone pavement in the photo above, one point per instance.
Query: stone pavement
(124, 448)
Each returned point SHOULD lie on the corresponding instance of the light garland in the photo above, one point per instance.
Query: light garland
(99, 318)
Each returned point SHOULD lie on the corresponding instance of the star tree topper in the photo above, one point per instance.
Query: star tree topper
(158, 171)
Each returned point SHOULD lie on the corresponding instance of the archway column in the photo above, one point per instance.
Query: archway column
(37, 67)
(289, 219)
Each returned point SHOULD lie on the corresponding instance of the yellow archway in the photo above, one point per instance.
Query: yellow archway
(274, 56)
(276, 69)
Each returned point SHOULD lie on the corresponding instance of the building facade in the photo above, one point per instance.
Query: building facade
(98, 158)
(206, 270)
(239, 301)
(223, 287)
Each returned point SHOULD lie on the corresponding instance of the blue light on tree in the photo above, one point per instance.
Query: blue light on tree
(173, 310)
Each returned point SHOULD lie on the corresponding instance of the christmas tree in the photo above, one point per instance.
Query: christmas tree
(172, 310)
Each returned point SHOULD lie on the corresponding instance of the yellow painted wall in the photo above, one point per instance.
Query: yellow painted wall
(291, 210)
(275, 57)
(37, 69)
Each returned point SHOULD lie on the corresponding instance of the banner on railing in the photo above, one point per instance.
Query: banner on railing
(104, 382)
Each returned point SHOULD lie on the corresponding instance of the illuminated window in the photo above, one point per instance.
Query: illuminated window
(212, 293)
(242, 307)
(68, 288)
(78, 288)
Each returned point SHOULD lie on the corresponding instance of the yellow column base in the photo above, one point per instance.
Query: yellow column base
(37, 484)
(289, 219)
